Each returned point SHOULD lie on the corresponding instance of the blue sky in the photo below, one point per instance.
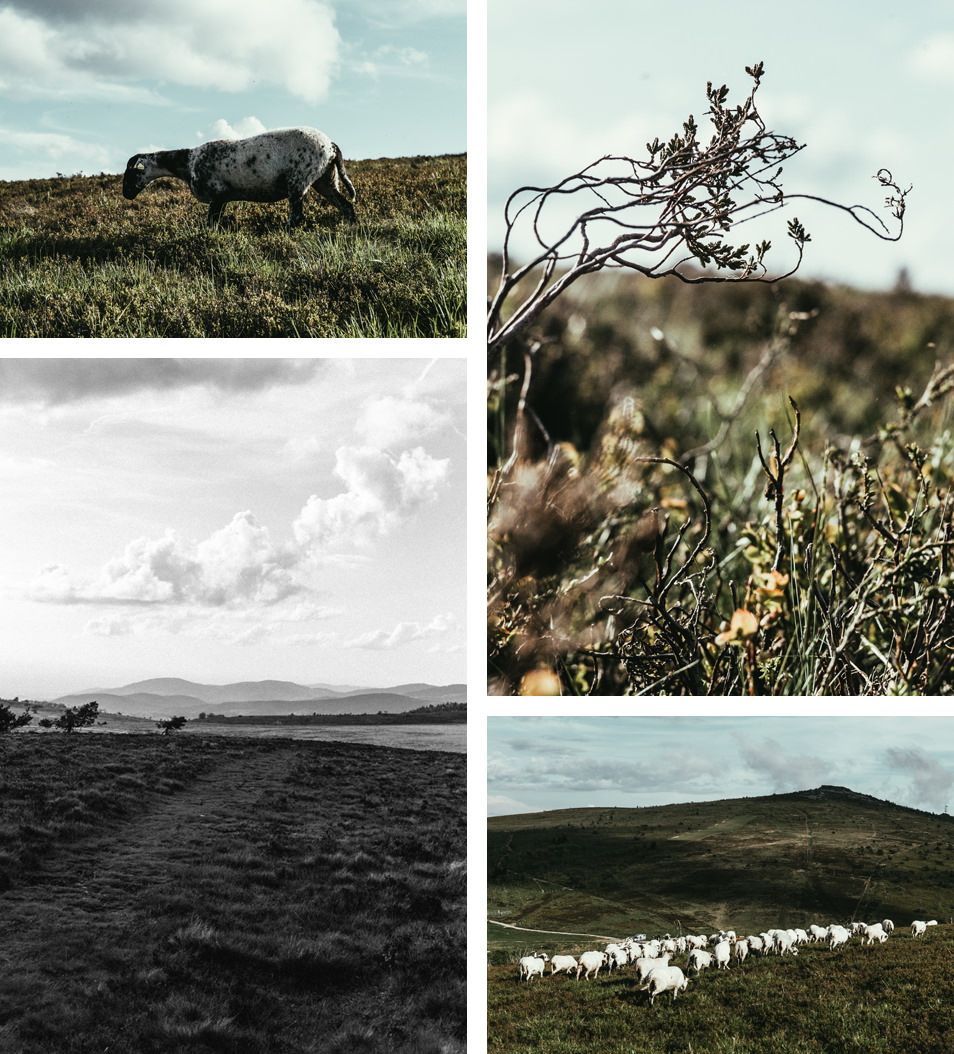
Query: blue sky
(84, 86)
(865, 84)
(559, 762)
(230, 519)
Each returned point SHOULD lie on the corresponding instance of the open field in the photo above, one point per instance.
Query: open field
(223, 894)
(572, 879)
(77, 260)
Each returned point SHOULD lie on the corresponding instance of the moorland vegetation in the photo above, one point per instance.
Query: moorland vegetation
(205, 894)
(706, 477)
(76, 260)
(570, 880)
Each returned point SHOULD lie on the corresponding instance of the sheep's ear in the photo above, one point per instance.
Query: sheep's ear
(141, 165)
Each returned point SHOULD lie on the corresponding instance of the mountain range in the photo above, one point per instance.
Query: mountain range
(169, 696)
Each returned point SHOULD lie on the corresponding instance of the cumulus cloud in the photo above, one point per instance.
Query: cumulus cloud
(930, 780)
(54, 49)
(380, 493)
(53, 382)
(786, 771)
(221, 129)
(389, 420)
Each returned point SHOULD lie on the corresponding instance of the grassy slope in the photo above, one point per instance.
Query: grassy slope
(784, 860)
(229, 895)
(77, 260)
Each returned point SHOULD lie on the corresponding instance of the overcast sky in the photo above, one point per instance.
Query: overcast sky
(541, 763)
(84, 86)
(231, 519)
(865, 84)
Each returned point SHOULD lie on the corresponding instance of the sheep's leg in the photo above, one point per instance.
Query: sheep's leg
(326, 188)
(296, 210)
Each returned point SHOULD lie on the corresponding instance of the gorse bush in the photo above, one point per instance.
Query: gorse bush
(78, 260)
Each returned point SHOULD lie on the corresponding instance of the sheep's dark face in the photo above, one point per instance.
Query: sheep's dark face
(135, 178)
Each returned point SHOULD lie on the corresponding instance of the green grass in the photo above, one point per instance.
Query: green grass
(77, 260)
(238, 895)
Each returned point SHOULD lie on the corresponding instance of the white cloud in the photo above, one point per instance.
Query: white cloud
(389, 420)
(404, 633)
(380, 493)
(215, 44)
(221, 129)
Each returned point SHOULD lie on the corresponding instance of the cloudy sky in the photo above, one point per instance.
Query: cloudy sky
(231, 519)
(539, 763)
(83, 86)
(865, 84)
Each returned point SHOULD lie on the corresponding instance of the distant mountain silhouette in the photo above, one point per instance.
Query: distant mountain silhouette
(166, 696)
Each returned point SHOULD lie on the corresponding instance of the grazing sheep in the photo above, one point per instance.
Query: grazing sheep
(617, 958)
(664, 979)
(590, 963)
(837, 935)
(918, 928)
(272, 166)
(888, 926)
(874, 932)
(562, 962)
(817, 933)
(721, 954)
(741, 949)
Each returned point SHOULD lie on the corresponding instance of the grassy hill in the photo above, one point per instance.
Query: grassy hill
(750, 864)
(198, 894)
(77, 260)
(785, 860)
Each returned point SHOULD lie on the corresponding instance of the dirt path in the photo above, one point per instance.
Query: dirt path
(110, 878)
(551, 933)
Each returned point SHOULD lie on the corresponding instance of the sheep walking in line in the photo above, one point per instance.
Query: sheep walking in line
(562, 962)
(271, 166)
(665, 979)
(590, 963)
(533, 966)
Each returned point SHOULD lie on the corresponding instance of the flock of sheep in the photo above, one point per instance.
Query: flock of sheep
(651, 957)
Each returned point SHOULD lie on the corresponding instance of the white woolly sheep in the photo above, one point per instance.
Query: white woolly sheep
(817, 933)
(645, 966)
(874, 932)
(721, 954)
(887, 925)
(532, 966)
(590, 962)
(562, 962)
(664, 979)
(617, 958)
(271, 166)
(918, 928)
(699, 960)
(742, 949)
(837, 935)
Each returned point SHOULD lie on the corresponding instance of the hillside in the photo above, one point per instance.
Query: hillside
(785, 859)
(77, 260)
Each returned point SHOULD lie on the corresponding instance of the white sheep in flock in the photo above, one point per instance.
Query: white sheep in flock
(532, 966)
(699, 960)
(272, 166)
(817, 933)
(664, 979)
(837, 935)
(887, 925)
(721, 955)
(742, 949)
(874, 932)
(562, 962)
(590, 962)
(918, 928)
(645, 966)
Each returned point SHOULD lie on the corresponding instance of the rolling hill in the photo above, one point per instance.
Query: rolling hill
(167, 696)
(786, 859)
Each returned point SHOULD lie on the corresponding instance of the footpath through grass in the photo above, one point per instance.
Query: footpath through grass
(242, 896)
(77, 260)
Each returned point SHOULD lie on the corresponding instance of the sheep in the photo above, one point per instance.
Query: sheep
(837, 935)
(532, 966)
(590, 962)
(645, 966)
(817, 933)
(756, 944)
(918, 928)
(272, 166)
(562, 962)
(699, 960)
(887, 925)
(875, 932)
(664, 979)
(722, 953)
(741, 949)
(617, 958)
